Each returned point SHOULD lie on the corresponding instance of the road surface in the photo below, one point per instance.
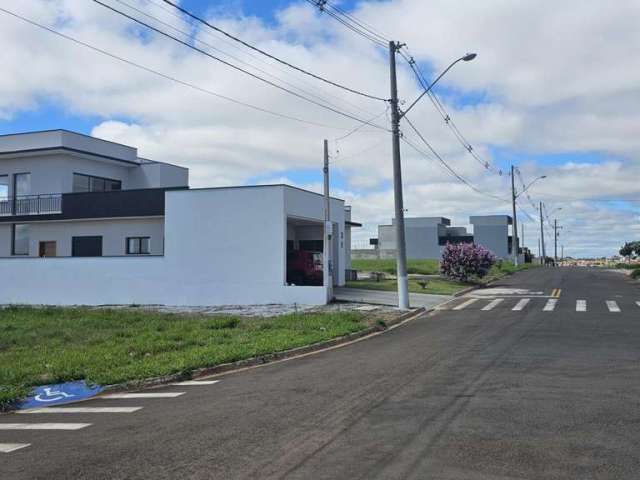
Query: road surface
(492, 387)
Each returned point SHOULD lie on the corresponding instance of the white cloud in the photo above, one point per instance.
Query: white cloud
(555, 77)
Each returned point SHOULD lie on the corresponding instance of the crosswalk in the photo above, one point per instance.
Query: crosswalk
(546, 304)
(9, 424)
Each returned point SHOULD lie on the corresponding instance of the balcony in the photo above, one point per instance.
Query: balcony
(26, 205)
(85, 205)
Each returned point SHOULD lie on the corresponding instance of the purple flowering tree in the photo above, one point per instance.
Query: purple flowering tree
(463, 261)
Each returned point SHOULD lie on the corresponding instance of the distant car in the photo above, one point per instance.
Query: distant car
(304, 268)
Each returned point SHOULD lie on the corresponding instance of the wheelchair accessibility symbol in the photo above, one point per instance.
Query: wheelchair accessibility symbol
(60, 393)
(51, 395)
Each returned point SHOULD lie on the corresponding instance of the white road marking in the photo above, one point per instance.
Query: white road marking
(550, 305)
(143, 395)
(82, 410)
(465, 304)
(521, 304)
(492, 304)
(196, 382)
(12, 447)
(43, 426)
(581, 305)
(612, 306)
(638, 303)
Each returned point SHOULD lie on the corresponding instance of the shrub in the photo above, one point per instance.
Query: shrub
(636, 273)
(465, 260)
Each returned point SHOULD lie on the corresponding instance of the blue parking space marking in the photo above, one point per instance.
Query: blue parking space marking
(59, 393)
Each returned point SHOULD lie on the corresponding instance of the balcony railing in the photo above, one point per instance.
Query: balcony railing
(50, 203)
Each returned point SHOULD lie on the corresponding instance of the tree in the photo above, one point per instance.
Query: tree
(630, 249)
(465, 260)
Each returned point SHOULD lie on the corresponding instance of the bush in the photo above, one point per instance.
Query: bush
(465, 260)
(636, 273)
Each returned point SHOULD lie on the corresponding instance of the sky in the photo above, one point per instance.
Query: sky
(554, 90)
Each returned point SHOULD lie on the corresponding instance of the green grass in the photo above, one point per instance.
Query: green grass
(635, 274)
(50, 345)
(422, 267)
(504, 268)
(437, 286)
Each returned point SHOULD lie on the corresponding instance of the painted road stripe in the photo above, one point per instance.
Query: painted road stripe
(550, 305)
(465, 304)
(196, 382)
(638, 303)
(82, 410)
(521, 304)
(492, 304)
(581, 306)
(143, 395)
(12, 447)
(43, 426)
(612, 306)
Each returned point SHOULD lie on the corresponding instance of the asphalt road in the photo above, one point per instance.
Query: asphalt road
(458, 394)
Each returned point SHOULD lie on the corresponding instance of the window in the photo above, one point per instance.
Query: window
(4, 187)
(21, 184)
(89, 183)
(138, 245)
(86, 246)
(20, 239)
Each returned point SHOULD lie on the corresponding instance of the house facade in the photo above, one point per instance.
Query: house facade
(426, 236)
(85, 221)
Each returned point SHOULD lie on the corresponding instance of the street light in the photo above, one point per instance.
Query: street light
(396, 116)
(466, 58)
(527, 187)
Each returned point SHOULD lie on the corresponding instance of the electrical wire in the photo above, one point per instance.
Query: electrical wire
(165, 76)
(447, 166)
(347, 24)
(218, 38)
(267, 54)
(235, 67)
(447, 117)
(361, 23)
(190, 36)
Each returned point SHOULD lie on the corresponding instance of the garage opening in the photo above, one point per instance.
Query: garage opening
(305, 262)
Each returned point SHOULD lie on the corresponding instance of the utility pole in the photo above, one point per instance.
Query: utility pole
(562, 254)
(328, 230)
(514, 239)
(555, 241)
(544, 253)
(401, 249)
(539, 251)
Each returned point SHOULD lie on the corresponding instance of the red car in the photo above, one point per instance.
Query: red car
(304, 268)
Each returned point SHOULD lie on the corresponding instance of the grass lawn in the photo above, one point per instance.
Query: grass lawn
(438, 286)
(422, 267)
(40, 346)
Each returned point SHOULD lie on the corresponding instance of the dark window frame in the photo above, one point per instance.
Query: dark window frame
(13, 241)
(139, 244)
(97, 177)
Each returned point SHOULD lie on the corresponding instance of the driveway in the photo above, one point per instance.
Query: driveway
(379, 297)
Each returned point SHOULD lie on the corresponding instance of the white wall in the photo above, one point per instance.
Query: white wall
(222, 246)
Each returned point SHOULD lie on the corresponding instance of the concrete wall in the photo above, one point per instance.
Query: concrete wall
(222, 246)
(114, 233)
(150, 175)
(492, 232)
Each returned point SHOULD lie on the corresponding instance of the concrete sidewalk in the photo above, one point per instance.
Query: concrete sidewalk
(381, 297)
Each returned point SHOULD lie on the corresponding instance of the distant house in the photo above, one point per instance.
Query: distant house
(426, 236)
(86, 221)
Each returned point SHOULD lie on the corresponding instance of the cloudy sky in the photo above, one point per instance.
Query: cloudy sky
(555, 90)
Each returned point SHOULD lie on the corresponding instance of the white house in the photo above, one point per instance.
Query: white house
(85, 221)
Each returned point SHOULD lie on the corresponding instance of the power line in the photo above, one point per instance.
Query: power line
(163, 75)
(361, 23)
(274, 65)
(189, 35)
(447, 117)
(267, 54)
(332, 12)
(447, 166)
(235, 67)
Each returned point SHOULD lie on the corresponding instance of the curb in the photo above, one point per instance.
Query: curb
(265, 359)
